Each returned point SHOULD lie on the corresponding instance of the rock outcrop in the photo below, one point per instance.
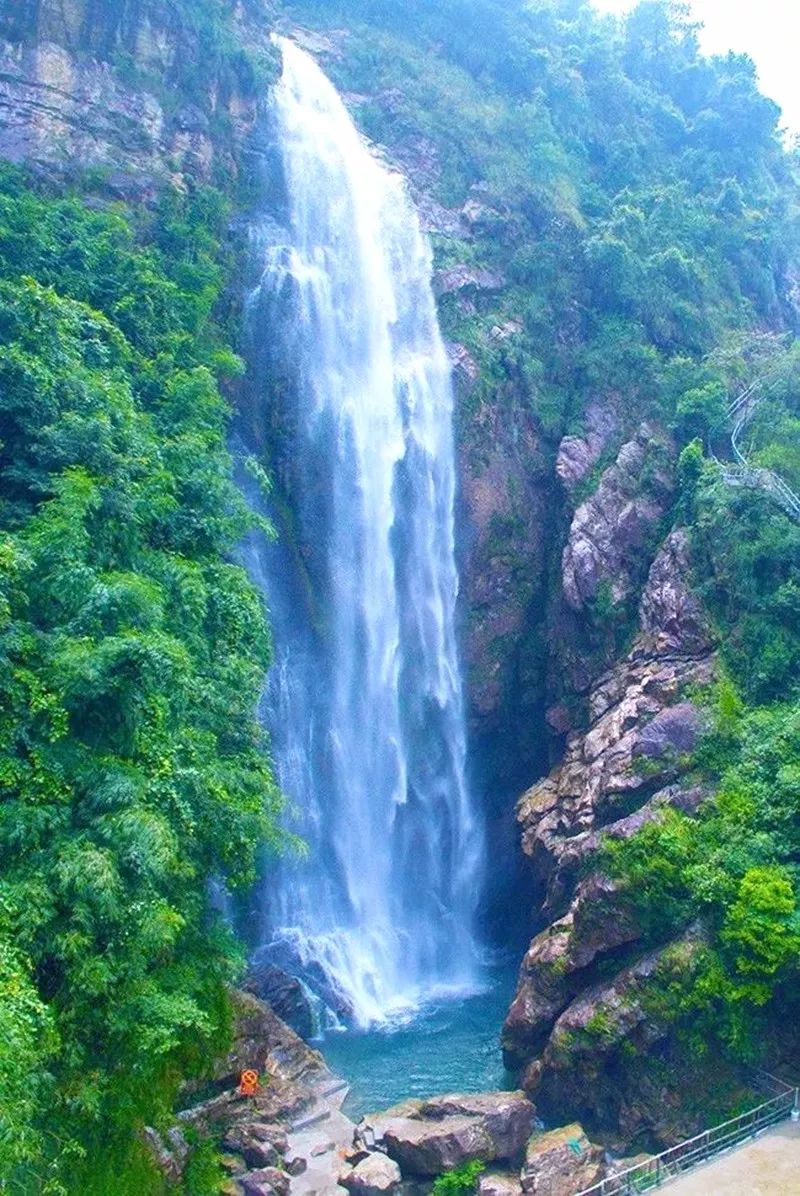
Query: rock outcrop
(285, 995)
(577, 455)
(95, 85)
(642, 726)
(426, 1138)
(562, 1162)
(609, 530)
(581, 1013)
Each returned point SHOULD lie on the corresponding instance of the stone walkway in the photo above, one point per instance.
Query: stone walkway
(321, 1137)
(767, 1166)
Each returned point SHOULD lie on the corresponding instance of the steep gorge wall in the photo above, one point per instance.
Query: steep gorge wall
(138, 92)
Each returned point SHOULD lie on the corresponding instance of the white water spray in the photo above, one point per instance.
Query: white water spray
(364, 704)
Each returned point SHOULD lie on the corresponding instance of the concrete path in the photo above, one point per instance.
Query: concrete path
(767, 1166)
(321, 1136)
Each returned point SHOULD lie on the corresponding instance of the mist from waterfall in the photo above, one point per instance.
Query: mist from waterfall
(364, 701)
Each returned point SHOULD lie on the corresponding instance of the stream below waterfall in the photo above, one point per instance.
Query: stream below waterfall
(447, 1046)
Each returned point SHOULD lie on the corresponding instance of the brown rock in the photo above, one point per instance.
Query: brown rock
(561, 1162)
(432, 1136)
(594, 1062)
(255, 1150)
(373, 1176)
(641, 727)
(266, 1044)
(285, 996)
(431, 1147)
(267, 1181)
(554, 969)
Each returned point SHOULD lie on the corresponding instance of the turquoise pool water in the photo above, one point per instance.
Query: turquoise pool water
(451, 1045)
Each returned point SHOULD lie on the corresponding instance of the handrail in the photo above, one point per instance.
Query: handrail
(687, 1155)
(742, 409)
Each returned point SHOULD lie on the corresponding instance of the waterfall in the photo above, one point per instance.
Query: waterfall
(364, 701)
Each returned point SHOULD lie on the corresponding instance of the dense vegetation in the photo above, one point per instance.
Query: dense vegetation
(132, 771)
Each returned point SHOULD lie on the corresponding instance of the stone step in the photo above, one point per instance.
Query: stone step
(313, 1118)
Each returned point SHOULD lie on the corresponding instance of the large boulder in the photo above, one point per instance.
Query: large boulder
(428, 1137)
(431, 1147)
(562, 1162)
(375, 1175)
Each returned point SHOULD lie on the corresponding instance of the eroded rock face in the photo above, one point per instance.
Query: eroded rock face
(577, 455)
(285, 995)
(561, 1162)
(64, 100)
(581, 1011)
(592, 1063)
(609, 530)
(598, 922)
(263, 1042)
(641, 728)
(503, 488)
(426, 1138)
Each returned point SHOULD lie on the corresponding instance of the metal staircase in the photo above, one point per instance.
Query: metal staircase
(741, 473)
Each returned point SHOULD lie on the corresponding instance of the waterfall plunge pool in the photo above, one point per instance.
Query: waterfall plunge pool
(449, 1045)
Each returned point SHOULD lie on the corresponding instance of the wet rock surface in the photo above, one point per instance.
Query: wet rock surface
(285, 995)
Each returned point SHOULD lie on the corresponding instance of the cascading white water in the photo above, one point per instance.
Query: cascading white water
(364, 702)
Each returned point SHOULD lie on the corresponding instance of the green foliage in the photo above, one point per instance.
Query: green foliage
(460, 1181)
(132, 770)
(735, 866)
(747, 564)
(632, 193)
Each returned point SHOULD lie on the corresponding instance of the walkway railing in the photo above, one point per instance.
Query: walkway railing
(741, 410)
(655, 1171)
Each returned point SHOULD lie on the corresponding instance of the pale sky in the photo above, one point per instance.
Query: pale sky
(767, 30)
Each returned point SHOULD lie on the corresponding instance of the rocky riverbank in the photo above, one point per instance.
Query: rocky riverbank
(291, 1136)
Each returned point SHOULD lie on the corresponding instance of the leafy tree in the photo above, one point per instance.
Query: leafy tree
(132, 771)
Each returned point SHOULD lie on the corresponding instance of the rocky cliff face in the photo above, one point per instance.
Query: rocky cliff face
(140, 92)
(580, 1021)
